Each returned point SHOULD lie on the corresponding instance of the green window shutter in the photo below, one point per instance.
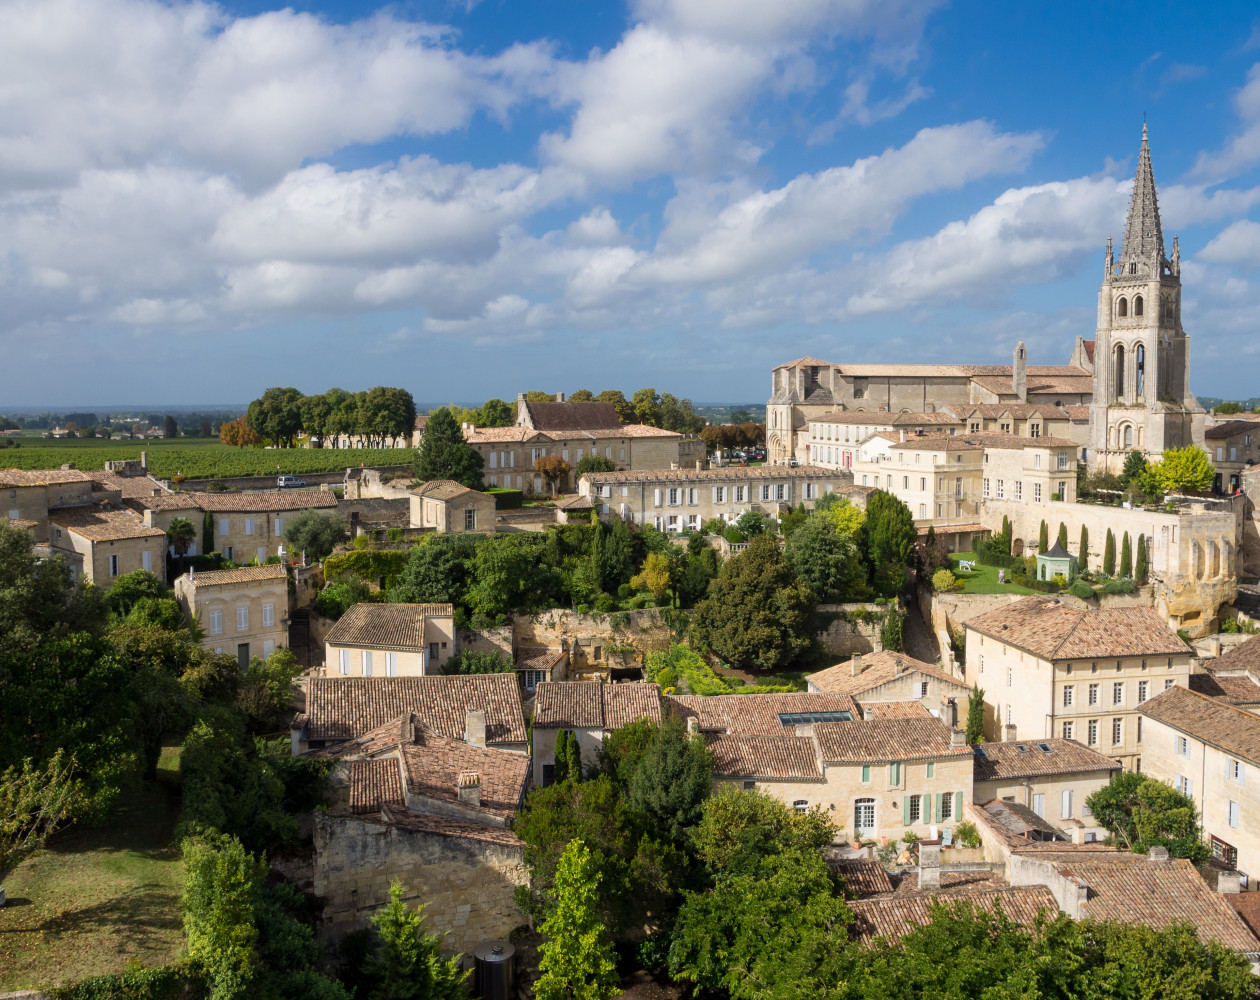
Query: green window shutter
(866, 772)
(939, 814)
(905, 810)
(958, 813)
(931, 769)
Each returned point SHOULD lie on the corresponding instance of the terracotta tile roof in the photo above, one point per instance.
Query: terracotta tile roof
(1247, 906)
(162, 502)
(396, 626)
(864, 877)
(724, 474)
(586, 705)
(129, 487)
(99, 524)
(876, 669)
(1130, 888)
(894, 917)
(385, 737)
(1078, 414)
(433, 764)
(241, 574)
(1228, 429)
(1055, 631)
(575, 501)
(373, 784)
(1234, 688)
(501, 435)
(341, 708)
(1019, 411)
(895, 710)
(1021, 822)
(1244, 656)
(879, 741)
(1028, 758)
(538, 657)
(280, 500)
(1233, 730)
(992, 440)
(567, 416)
(13, 478)
(882, 418)
(757, 714)
(952, 884)
(22, 523)
(441, 489)
(953, 529)
(405, 819)
(767, 757)
(1089, 348)
(805, 362)
(1073, 384)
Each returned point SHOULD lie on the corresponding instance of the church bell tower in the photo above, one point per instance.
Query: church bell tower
(1142, 399)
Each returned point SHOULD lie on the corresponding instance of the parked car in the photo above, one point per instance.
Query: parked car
(288, 482)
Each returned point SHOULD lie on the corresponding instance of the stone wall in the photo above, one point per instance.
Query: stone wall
(362, 484)
(308, 581)
(1193, 553)
(848, 633)
(466, 883)
(388, 512)
(1250, 524)
(590, 637)
(945, 614)
(486, 640)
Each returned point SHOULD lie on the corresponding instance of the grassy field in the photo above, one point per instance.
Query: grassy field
(196, 458)
(984, 580)
(97, 899)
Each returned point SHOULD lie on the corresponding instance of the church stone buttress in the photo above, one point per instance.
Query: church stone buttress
(1142, 399)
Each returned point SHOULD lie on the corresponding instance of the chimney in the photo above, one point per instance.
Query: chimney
(804, 729)
(1158, 854)
(1019, 373)
(144, 460)
(957, 739)
(475, 727)
(1008, 734)
(1229, 883)
(855, 664)
(901, 435)
(698, 465)
(929, 866)
(868, 713)
(693, 725)
(468, 788)
(192, 573)
(559, 397)
(1212, 646)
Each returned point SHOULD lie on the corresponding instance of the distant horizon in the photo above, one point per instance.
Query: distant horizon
(175, 410)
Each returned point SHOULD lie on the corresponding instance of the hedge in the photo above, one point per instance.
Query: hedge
(505, 499)
(367, 564)
(1042, 586)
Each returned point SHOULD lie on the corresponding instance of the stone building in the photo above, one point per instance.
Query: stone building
(1141, 395)
(1233, 677)
(1055, 669)
(390, 640)
(242, 611)
(945, 479)
(29, 495)
(1233, 447)
(111, 541)
(1210, 750)
(1133, 376)
(887, 676)
(675, 500)
(1051, 777)
(450, 507)
(589, 711)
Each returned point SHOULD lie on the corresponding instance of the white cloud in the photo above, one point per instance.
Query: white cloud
(1238, 243)
(1243, 151)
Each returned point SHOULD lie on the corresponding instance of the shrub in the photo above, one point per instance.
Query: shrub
(335, 599)
(505, 499)
(734, 535)
(891, 632)
(1122, 585)
(166, 982)
(943, 581)
(966, 834)
(1081, 589)
(475, 661)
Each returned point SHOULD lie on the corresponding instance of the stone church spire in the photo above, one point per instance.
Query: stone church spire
(1143, 237)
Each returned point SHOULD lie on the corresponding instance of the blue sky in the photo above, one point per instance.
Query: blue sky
(471, 199)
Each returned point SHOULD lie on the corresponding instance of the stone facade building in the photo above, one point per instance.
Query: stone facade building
(1210, 750)
(390, 640)
(887, 676)
(676, 500)
(1050, 669)
(589, 711)
(1133, 376)
(111, 541)
(450, 507)
(1233, 447)
(242, 611)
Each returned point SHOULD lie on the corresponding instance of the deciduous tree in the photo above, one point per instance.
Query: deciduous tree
(1187, 468)
(578, 962)
(594, 463)
(1142, 812)
(827, 562)
(35, 800)
(276, 416)
(238, 433)
(553, 469)
(315, 533)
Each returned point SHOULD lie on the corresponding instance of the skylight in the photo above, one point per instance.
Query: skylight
(805, 718)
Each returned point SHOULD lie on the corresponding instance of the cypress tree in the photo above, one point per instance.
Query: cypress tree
(444, 454)
(1126, 556)
(207, 534)
(1006, 532)
(1139, 572)
(975, 715)
(562, 756)
(1083, 557)
(1063, 535)
(1109, 554)
(1043, 539)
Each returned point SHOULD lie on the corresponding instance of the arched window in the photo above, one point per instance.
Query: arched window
(1137, 305)
(1128, 435)
(1122, 307)
(1119, 383)
(1141, 361)
(1133, 268)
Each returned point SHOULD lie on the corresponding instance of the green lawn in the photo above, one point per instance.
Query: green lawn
(97, 899)
(984, 580)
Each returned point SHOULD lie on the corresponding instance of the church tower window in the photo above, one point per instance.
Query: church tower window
(1119, 371)
(1122, 307)
(1137, 305)
(1141, 368)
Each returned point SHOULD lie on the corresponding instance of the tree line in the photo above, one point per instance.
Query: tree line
(645, 406)
(279, 415)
